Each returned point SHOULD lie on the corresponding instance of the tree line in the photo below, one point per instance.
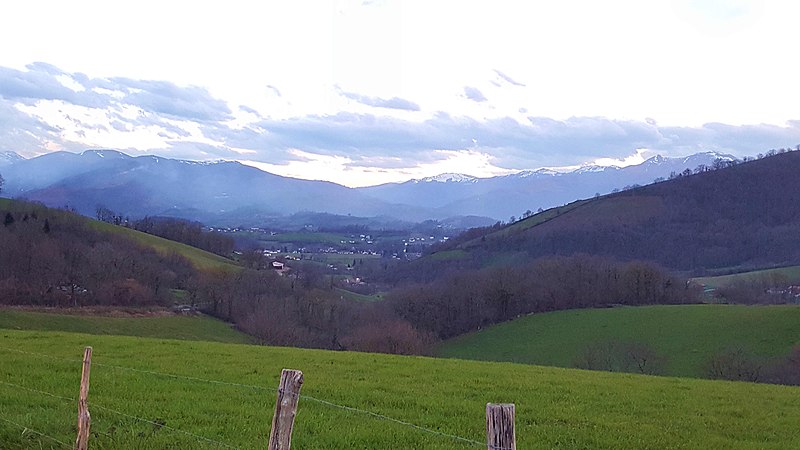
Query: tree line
(179, 230)
(55, 258)
(468, 300)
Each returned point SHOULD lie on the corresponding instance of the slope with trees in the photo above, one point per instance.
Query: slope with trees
(738, 216)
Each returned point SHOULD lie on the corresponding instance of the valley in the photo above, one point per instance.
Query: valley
(644, 287)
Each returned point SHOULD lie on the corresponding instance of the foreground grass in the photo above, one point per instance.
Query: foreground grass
(198, 328)
(556, 408)
(688, 334)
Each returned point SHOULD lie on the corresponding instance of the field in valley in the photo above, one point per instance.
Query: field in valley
(139, 399)
(781, 275)
(117, 322)
(688, 335)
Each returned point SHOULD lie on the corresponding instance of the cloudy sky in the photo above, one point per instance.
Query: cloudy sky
(366, 92)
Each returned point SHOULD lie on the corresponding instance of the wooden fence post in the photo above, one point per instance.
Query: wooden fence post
(500, 427)
(84, 420)
(280, 437)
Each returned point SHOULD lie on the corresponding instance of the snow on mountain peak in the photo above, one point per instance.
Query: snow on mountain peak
(100, 153)
(9, 157)
(449, 178)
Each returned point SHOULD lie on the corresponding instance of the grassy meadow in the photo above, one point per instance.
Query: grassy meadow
(201, 259)
(195, 328)
(789, 275)
(556, 408)
(688, 335)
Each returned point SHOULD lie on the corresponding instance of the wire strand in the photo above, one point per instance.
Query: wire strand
(262, 388)
(24, 429)
(95, 405)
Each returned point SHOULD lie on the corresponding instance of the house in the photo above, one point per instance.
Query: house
(277, 265)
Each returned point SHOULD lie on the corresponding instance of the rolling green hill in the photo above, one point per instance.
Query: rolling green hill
(787, 275)
(196, 328)
(200, 259)
(688, 335)
(740, 216)
(556, 408)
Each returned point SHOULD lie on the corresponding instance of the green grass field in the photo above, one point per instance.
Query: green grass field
(361, 297)
(688, 335)
(789, 275)
(198, 328)
(201, 259)
(556, 408)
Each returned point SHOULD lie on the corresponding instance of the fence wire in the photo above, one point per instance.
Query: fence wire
(253, 387)
(29, 429)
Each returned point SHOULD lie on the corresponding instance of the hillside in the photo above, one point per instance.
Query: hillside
(687, 335)
(56, 258)
(136, 379)
(744, 216)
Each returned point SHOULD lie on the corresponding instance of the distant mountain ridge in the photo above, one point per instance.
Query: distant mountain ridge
(230, 193)
(506, 195)
(7, 158)
(740, 217)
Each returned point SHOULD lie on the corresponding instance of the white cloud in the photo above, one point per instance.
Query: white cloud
(599, 79)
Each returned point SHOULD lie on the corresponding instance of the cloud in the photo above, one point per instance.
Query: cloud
(164, 97)
(274, 90)
(39, 113)
(377, 102)
(40, 82)
(22, 133)
(474, 94)
(43, 81)
(539, 141)
(508, 79)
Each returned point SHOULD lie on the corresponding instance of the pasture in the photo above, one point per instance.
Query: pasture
(688, 335)
(137, 322)
(158, 393)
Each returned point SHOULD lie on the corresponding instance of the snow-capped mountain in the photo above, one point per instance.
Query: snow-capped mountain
(224, 191)
(503, 196)
(448, 178)
(7, 158)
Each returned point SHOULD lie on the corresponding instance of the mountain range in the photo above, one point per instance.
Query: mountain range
(736, 218)
(230, 193)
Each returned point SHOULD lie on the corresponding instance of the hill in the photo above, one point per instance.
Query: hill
(742, 216)
(52, 257)
(161, 381)
(510, 195)
(200, 259)
(687, 335)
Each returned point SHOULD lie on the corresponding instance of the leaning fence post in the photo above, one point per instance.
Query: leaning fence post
(280, 437)
(84, 420)
(500, 427)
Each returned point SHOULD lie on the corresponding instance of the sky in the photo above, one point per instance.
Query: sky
(369, 92)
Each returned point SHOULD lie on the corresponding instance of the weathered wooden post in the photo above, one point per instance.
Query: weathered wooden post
(84, 420)
(500, 427)
(280, 437)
